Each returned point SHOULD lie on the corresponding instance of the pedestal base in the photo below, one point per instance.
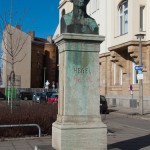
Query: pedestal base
(79, 136)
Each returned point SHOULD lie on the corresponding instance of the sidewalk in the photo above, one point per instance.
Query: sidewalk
(130, 112)
(26, 143)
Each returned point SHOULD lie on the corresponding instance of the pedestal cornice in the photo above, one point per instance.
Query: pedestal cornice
(80, 37)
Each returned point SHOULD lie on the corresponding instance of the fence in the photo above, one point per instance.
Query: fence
(22, 125)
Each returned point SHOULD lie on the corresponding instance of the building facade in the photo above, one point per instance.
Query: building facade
(119, 21)
(127, 18)
(37, 60)
(18, 48)
(44, 62)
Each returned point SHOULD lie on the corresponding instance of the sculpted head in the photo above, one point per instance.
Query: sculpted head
(80, 3)
(78, 21)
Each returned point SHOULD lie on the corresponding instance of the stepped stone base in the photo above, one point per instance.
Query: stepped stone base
(80, 136)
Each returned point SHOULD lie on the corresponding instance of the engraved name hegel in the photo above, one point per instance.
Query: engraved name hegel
(78, 70)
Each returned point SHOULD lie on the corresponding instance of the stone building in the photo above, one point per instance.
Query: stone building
(39, 61)
(127, 18)
(44, 62)
(119, 21)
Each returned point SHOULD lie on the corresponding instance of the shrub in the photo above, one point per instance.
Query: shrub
(27, 113)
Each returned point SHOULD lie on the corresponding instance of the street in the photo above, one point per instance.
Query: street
(127, 133)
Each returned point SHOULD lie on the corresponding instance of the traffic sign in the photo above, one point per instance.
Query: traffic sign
(139, 67)
(140, 72)
(139, 76)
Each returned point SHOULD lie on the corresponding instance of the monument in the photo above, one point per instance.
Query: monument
(78, 21)
(78, 125)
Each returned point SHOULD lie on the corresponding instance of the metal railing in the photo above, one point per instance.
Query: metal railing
(22, 125)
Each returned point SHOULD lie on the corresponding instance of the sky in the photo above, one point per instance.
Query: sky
(40, 16)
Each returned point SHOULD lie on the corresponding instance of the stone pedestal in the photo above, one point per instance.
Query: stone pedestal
(78, 125)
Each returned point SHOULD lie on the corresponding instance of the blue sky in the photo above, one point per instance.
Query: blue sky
(40, 16)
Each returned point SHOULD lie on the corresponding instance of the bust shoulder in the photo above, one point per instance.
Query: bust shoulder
(86, 25)
(91, 23)
(67, 18)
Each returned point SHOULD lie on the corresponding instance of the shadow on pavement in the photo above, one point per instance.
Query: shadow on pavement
(132, 144)
(112, 110)
(44, 147)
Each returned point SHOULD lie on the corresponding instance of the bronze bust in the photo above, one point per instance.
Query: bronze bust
(78, 21)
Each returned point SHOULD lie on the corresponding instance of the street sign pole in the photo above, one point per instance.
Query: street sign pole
(140, 36)
(140, 80)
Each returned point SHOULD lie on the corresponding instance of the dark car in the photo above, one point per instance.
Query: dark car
(25, 95)
(38, 97)
(103, 105)
(2, 96)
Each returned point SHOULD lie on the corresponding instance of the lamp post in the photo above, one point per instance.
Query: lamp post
(44, 75)
(140, 37)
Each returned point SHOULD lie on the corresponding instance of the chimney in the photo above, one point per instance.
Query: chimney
(18, 27)
(31, 33)
(49, 39)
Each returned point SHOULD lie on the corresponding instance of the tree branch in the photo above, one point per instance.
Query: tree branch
(17, 44)
(6, 60)
(22, 46)
(20, 59)
(5, 46)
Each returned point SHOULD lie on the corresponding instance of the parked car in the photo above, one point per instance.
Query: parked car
(38, 97)
(25, 95)
(2, 96)
(103, 105)
(53, 98)
(49, 94)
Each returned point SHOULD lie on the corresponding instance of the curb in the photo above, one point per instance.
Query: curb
(137, 116)
(144, 118)
(25, 138)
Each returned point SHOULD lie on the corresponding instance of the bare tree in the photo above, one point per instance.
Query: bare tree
(13, 42)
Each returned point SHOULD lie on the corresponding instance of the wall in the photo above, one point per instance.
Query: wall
(24, 56)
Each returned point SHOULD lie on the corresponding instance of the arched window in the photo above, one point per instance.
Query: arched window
(123, 17)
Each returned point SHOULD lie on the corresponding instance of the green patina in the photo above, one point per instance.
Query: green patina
(78, 21)
(78, 57)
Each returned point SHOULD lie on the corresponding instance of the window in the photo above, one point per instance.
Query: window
(142, 18)
(123, 17)
(120, 75)
(117, 74)
(114, 68)
(134, 74)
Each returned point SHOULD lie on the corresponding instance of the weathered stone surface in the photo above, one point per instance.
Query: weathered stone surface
(79, 124)
(78, 21)
(79, 136)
